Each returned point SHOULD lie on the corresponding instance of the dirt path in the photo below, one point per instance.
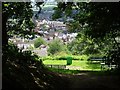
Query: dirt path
(84, 80)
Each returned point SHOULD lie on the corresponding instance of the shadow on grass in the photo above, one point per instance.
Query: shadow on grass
(73, 72)
(94, 65)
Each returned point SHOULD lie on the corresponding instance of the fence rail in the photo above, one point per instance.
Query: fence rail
(64, 67)
(57, 66)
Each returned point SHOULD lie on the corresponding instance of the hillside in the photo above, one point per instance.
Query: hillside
(26, 76)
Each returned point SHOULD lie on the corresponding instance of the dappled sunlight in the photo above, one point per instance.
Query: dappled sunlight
(53, 45)
(79, 74)
(73, 67)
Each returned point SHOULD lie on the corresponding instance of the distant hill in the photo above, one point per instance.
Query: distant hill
(46, 12)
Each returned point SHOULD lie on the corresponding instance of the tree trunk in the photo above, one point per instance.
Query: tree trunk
(4, 31)
(4, 40)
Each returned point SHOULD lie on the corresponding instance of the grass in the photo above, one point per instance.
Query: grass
(65, 71)
(84, 65)
(55, 62)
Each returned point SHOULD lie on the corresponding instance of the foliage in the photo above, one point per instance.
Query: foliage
(113, 57)
(56, 46)
(98, 21)
(25, 70)
(62, 53)
(102, 18)
(22, 68)
(17, 55)
(80, 57)
(16, 20)
(83, 45)
(47, 58)
(39, 41)
(31, 47)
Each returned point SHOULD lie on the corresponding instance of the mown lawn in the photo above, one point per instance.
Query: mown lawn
(84, 65)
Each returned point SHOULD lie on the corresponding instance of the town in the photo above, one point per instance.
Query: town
(47, 29)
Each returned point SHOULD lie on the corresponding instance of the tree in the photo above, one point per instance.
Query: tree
(16, 19)
(56, 46)
(98, 21)
(82, 45)
(39, 41)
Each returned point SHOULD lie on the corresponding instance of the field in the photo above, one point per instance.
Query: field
(84, 65)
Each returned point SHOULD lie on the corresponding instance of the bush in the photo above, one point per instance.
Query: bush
(13, 53)
(31, 47)
(56, 46)
(82, 45)
(62, 53)
(80, 57)
(39, 41)
(47, 58)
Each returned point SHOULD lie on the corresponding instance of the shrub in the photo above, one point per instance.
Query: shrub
(13, 53)
(47, 58)
(80, 57)
(39, 41)
(31, 47)
(56, 46)
(83, 45)
(62, 53)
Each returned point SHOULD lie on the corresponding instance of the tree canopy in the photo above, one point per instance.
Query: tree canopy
(97, 21)
(16, 19)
